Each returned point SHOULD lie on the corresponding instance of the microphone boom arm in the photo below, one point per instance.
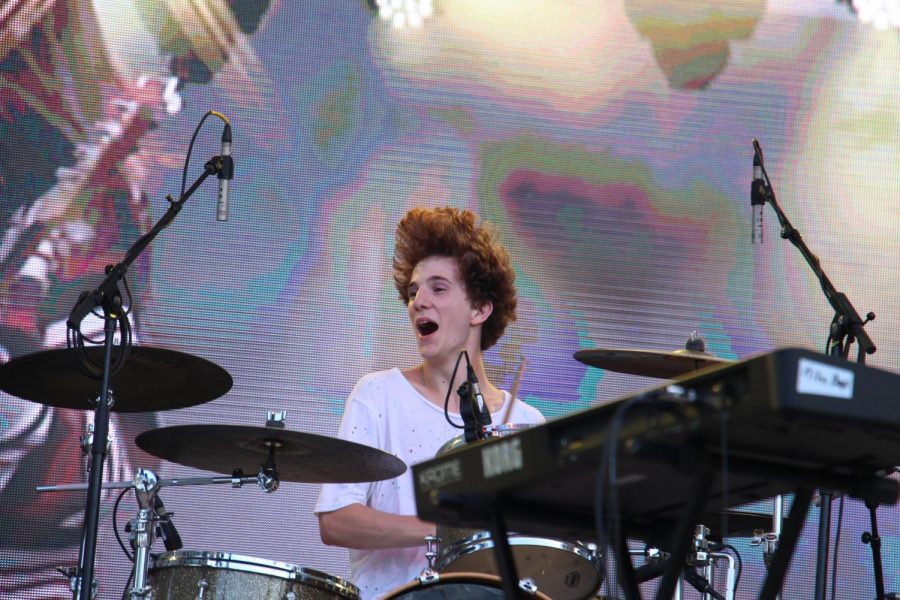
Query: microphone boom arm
(847, 321)
(108, 288)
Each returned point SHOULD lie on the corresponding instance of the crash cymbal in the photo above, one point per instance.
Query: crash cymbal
(649, 363)
(299, 457)
(151, 379)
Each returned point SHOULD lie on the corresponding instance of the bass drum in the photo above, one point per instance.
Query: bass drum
(456, 586)
(188, 575)
(561, 569)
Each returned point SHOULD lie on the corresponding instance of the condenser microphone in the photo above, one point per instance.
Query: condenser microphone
(226, 174)
(483, 415)
(757, 200)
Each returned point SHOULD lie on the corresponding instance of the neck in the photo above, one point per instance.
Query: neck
(436, 377)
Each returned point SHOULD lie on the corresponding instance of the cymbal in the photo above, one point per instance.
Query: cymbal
(649, 363)
(151, 379)
(299, 457)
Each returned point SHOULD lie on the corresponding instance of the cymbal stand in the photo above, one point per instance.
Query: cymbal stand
(769, 539)
(107, 297)
(846, 327)
(87, 440)
(703, 558)
(147, 486)
(143, 529)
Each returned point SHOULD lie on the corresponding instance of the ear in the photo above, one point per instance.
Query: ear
(481, 313)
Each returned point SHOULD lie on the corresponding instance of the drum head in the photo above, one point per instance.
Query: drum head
(455, 586)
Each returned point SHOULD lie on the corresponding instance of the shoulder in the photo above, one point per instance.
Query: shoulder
(378, 387)
(525, 413)
(376, 379)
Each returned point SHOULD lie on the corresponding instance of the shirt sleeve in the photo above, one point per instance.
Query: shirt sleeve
(358, 425)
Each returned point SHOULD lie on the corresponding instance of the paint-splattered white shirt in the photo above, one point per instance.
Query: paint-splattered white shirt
(385, 411)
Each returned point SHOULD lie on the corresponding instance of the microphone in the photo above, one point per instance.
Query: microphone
(166, 528)
(484, 415)
(226, 174)
(757, 197)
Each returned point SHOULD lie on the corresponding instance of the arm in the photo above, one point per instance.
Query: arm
(358, 526)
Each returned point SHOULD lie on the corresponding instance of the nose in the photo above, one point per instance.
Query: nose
(420, 299)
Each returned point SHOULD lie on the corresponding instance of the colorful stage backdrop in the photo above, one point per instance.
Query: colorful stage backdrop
(608, 142)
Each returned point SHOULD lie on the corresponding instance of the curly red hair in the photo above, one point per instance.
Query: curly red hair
(483, 263)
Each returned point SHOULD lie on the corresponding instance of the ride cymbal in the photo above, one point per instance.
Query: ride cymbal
(298, 456)
(151, 379)
(648, 363)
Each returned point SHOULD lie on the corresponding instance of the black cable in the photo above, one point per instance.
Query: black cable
(127, 308)
(608, 475)
(187, 158)
(450, 390)
(837, 542)
(128, 583)
(116, 526)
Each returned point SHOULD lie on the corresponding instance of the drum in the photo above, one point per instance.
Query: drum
(560, 569)
(488, 431)
(188, 575)
(455, 586)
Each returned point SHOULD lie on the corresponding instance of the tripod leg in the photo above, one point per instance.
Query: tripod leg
(874, 541)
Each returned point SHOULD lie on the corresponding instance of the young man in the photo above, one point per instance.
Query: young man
(457, 284)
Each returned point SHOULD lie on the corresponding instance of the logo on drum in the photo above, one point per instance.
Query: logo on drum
(502, 457)
(439, 475)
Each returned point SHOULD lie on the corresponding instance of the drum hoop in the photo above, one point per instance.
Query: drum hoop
(251, 564)
(495, 430)
(505, 428)
(483, 541)
(460, 577)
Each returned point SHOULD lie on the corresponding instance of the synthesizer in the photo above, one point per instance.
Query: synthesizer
(763, 425)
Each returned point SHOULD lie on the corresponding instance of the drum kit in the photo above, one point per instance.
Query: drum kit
(461, 561)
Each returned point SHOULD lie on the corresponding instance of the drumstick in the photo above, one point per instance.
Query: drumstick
(515, 390)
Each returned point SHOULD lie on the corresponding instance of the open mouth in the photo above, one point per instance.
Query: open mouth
(426, 327)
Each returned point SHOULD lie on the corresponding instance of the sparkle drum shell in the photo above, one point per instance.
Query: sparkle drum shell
(190, 575)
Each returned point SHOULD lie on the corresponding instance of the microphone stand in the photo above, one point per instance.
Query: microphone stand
(846, 327)
(107, 297)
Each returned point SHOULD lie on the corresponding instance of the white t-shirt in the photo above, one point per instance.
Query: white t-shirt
(385, 411)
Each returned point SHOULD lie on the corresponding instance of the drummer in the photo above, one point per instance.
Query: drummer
(458, 286)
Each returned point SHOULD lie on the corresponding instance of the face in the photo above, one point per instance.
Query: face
(440, 311)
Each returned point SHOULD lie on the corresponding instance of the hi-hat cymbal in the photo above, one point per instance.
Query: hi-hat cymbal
(151, 379)
(649, 363)
(299, 457)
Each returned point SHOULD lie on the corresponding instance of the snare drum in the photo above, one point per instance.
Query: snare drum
(188, 575)
(561, 569)
(455, 586)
